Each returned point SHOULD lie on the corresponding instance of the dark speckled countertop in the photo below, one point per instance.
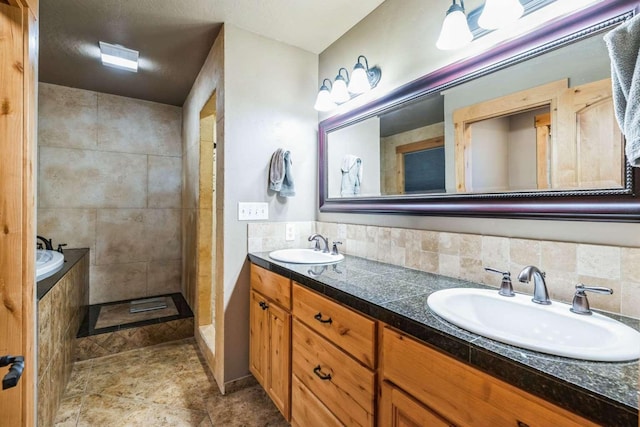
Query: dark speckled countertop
(606, 393)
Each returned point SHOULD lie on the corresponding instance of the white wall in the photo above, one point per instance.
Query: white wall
(523, 166)
(270, 89)
(489, 168)
(400, 36)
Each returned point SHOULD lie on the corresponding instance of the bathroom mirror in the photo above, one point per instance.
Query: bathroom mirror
(524, 130)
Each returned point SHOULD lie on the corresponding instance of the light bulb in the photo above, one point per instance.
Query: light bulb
(499, 13)
(324, 101)
(339, 92)
(455, 31)
(359, 82)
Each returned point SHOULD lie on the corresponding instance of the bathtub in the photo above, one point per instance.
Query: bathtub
(48, 263)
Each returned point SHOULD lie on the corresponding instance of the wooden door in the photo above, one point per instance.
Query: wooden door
(400, 410)
(17, 205)
(279, 382)
(258, 338)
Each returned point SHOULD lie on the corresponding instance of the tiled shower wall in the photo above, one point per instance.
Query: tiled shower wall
(109, 178)
(464, 256)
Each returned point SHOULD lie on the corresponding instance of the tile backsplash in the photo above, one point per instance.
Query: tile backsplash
(464, 256)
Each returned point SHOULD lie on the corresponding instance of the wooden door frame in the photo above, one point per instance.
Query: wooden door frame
(19, 220)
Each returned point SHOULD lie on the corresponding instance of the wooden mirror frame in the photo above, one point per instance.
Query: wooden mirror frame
(589, 205)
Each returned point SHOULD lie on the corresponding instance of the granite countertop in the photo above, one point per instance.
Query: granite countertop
(71, 257)
(604, 392)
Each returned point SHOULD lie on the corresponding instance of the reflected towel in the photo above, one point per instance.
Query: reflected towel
(351, 175)
(287, 189)
(623, 43)
(276, 170)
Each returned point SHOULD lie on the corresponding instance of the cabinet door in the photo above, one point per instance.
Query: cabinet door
(279, 376)
(399, 410)
(259, 338)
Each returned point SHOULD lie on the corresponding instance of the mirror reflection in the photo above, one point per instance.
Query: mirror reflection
(544, 124)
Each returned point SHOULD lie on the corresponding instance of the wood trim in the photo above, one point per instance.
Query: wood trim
(506, 105)
(543, 130)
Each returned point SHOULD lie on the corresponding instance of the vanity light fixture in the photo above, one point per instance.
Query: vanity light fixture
(363, 78)
(339, 92)
(323, 100)
(455, 31)
(343, 89)
(119, 57)
(499, 13)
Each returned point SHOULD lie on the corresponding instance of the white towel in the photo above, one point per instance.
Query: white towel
(623, 43)
(351, 175)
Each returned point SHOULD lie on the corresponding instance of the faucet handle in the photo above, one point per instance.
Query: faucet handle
(580, 304)
(506, 287)
(334, 251)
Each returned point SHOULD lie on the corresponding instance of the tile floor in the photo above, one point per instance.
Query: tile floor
(163, 385)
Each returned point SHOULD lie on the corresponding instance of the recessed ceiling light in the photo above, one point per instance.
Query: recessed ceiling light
(119, 57)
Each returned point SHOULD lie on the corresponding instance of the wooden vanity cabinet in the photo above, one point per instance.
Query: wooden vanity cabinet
(333, 363)
(455, 392)
(270, 336)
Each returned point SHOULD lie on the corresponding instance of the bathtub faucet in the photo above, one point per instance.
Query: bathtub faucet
(48, 244)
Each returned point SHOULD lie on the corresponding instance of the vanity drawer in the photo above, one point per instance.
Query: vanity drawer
(462, 394)
(349, 330)
(342, 384)
(271, 285)
(307, 410)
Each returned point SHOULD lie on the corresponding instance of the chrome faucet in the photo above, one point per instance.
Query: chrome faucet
(318, 238)
(540, 293)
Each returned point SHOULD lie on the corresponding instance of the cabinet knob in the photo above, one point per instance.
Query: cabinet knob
(317, 370)
(521, 424)
(263, 305)
(319, 318)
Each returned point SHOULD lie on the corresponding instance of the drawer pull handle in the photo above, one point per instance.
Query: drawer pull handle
(521, 424)
(319, 318)
(320, 375)
(263, 305)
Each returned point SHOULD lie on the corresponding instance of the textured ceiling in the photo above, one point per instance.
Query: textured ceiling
(173, 37)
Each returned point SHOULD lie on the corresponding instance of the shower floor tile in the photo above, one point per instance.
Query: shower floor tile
(164, 385)
(118, 314)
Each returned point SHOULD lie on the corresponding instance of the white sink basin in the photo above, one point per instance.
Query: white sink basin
(551, 329)
(305, 256)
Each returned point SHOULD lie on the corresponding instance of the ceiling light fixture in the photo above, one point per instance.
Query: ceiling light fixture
(323, 100)
(455, 31)
(499, 13)
(343, 89)
(119, 57)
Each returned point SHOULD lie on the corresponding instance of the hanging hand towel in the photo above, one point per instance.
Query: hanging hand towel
(276, 170)
(351, 175)
(288, 189)
(623, 43)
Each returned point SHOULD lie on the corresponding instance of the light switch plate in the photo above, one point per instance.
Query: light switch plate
(251, 211)
(289, 232)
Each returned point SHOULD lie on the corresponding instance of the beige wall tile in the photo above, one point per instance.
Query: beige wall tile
(561, 285)
(121, 236)
(165, 182)
(75, 227)
(430, 241)
(558, 256)
(630, 264)
(630, 299)
(599, 261)
(495, 252)
(449, 265)
(471, 269)
(67, 117)
(163, 277)
(471, 246)
(430, 262)
(162, 234)
(71, 178)
(524, 252)
(134, 126)
(117, 282)
(449, 243)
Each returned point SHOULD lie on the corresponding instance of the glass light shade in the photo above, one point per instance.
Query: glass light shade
(359, 82)
(339, 92)
(455, 31)
(324, 101)
(498, 13)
